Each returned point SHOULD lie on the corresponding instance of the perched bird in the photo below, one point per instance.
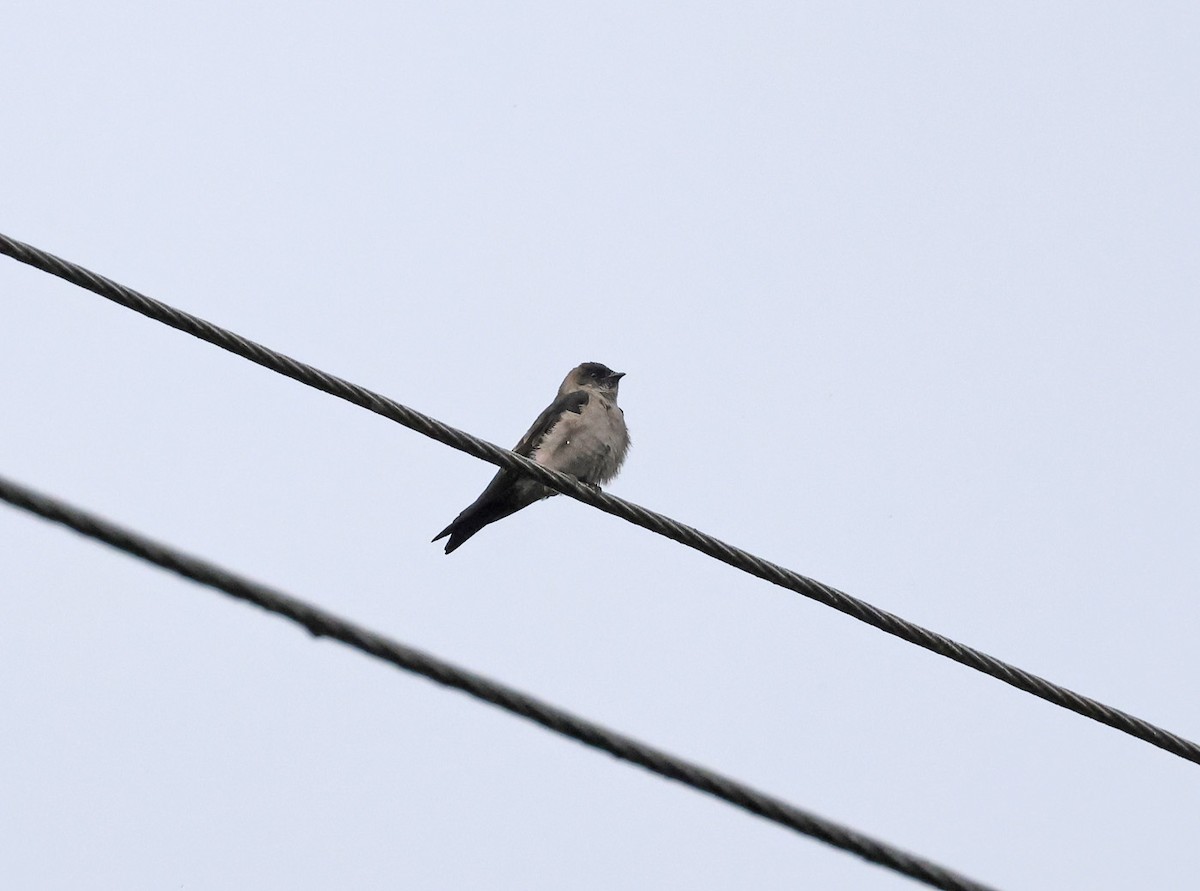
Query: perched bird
(582, 433)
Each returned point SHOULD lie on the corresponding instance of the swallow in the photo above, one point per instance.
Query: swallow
(582, 432)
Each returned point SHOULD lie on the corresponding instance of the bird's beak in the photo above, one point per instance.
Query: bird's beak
(615, 376)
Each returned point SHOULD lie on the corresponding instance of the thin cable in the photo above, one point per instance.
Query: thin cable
(568, 485)
(324, 624)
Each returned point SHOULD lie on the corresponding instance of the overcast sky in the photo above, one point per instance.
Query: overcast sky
(908, 296)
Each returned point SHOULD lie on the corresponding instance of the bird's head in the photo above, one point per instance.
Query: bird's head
(592, 376)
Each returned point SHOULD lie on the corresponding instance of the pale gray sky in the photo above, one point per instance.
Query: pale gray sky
(907, 298)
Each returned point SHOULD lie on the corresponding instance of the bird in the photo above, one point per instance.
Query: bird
(582, 432)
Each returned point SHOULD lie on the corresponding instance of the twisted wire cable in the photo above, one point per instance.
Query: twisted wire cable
(633, 513)
(320, 623)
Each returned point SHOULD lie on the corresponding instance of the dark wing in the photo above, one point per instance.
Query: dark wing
(509, 492)
(573, 402)
(506, 494)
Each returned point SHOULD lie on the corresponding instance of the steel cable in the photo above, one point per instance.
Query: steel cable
(655, 522)
(321, 623)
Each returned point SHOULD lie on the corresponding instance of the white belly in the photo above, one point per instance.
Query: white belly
(590, 445)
